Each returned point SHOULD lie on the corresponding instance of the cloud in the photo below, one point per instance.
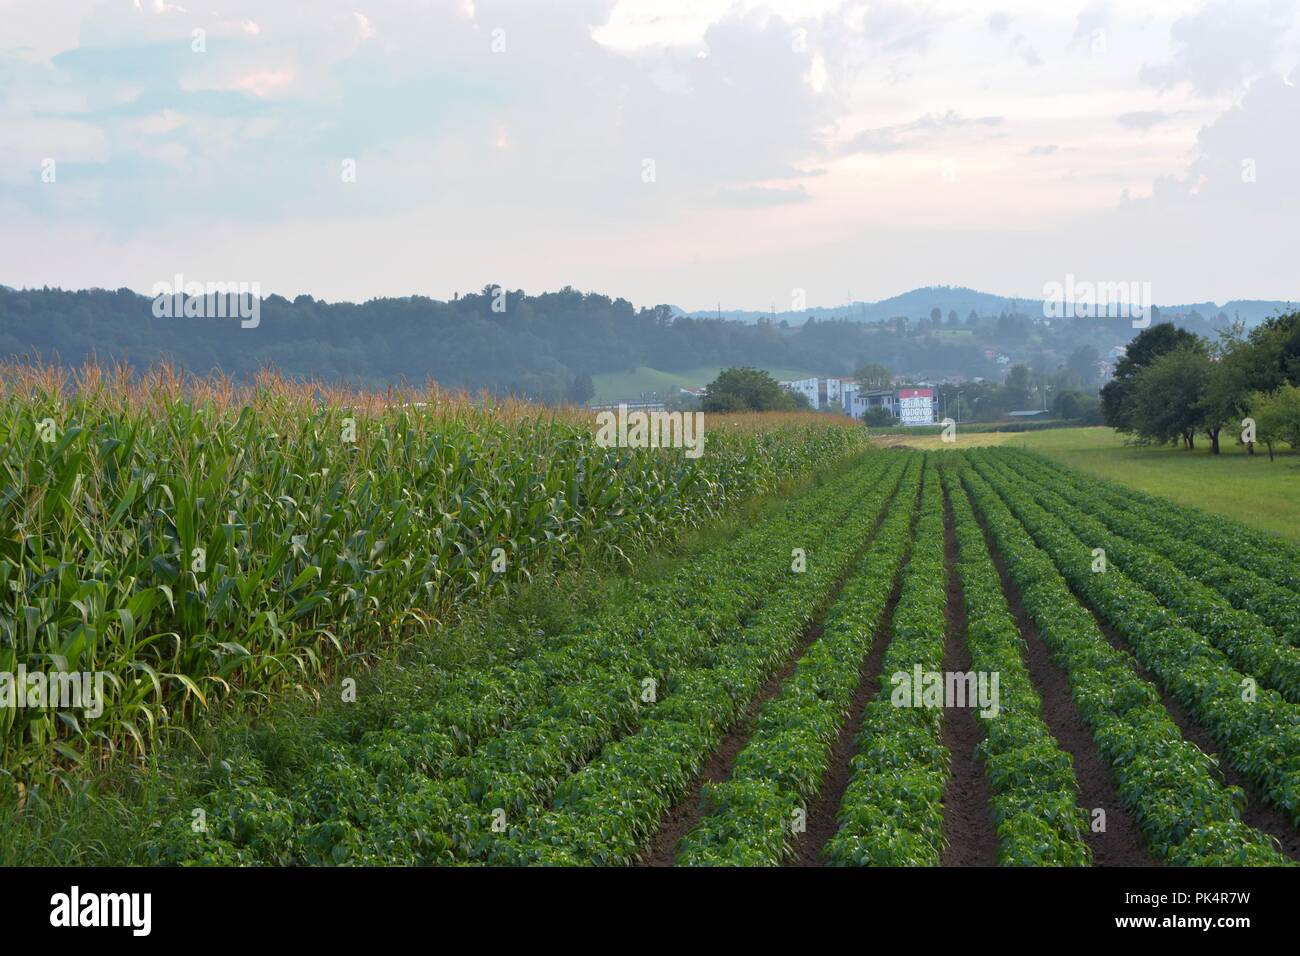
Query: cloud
(1090, 24)
(1022, 48)
(528, 163)
(754, 197)
(893, 27)
(1143, 119)
(1248, 158)
(920, 133)
(1223, 45)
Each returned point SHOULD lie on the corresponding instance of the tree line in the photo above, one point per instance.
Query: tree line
(543, 347)
(1173, 386)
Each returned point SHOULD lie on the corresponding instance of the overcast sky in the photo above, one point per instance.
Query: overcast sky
(695, 152)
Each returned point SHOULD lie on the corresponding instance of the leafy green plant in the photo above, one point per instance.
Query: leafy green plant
(196, 542)
(1034, 792)
(1186, 815)
(785, 759)
(892, 810)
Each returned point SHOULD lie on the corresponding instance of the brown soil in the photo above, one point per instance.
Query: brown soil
(1256, 813)
(969, 834)
(822, 809)
(687, 812)
(1121, 844)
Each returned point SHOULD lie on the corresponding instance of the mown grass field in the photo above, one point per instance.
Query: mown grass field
(617, 386)
(1249, 489)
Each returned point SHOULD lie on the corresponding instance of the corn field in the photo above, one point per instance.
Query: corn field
(193, 541)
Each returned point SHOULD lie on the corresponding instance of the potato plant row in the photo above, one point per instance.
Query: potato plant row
(1251, 645)
(1255, 728)
(1148, 523)
(1034, 802)
(892, 810)
(468, 708)
(754, 816)
(1266, 555)
(607, 812)
(410, 794)
(1171, 786)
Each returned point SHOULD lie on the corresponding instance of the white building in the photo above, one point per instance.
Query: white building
(848, 394)
(916, 406)
(807, 387)
(831, 391)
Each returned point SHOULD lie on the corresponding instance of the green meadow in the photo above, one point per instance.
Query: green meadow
(622, 386)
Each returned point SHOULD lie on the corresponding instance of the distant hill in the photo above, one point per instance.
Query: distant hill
(917, 304)
(564, 346)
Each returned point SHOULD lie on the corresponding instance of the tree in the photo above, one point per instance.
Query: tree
(874, 375)
(582, 390)
(1017, 387)
(1271, 354)
(878, 418)
(1146, 347)
(746, 389)
(1277, 416)
(1083, 363)
(1227, 394)
(1166, 400)
(1077, 407)
(936, 316)
(953, 320)
(1065, 379)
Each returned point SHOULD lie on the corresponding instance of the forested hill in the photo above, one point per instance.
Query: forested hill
(921, 303)
(544, 347)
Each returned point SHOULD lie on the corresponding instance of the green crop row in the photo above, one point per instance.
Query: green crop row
(607, 812)
(1172, 788)
(892, 810)
(413, 793)
(1034, 792)
(1247, 641)
(1264, 554)
(468, 707)
(1148, 522)
(753, 817)
(196, 545)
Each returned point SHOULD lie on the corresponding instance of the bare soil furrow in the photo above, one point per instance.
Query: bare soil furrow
(1121, 843)
(970, 836)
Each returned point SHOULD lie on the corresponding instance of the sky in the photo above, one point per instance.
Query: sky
(702, 153)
